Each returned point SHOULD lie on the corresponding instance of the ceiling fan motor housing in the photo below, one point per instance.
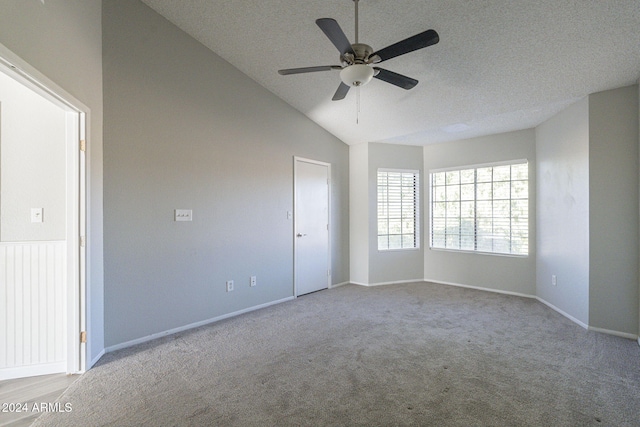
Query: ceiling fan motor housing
(361, 55)
(356, 71)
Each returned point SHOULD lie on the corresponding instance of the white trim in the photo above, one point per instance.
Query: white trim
(297, 159)
(32, 370)
(26, 72)
(35, 242)
(396, 282)
(358, 283)
(77, 119)
(337, 285)
(479, 288)
(567, 315)
(468, 251)
(95, 359)
(416, 171)
(192, 325)
(615, 333)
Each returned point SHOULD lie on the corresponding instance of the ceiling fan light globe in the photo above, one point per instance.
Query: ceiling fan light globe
(356, 75)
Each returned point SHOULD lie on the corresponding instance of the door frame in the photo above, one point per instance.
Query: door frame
(296, 160)
(77, 116)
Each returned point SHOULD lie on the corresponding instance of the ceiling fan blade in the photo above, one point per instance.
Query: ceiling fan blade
(419, 41)
(308, 69)
(333, 31)
(395, 79)
(342, 91)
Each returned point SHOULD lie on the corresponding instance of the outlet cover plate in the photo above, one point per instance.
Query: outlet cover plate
(37, 214)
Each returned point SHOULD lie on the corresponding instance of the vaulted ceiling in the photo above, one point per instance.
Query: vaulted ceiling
(500, 65)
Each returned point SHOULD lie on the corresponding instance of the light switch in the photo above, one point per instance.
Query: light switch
(183, 215)
(37, 214)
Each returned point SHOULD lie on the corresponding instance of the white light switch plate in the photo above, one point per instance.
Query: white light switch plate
(183, 215)
(37, 214)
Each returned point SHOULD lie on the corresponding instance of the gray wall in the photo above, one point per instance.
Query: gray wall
(63, 40)
(613, 209)
(501, 273)
(359, 213)
(400, 265)
(562, 161)
(32, 164)
(184, 129)
(368, 265)
(588, 210)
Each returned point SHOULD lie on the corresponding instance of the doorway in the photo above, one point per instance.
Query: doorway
(312, 183)
(42, 226)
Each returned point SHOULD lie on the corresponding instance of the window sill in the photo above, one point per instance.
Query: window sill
(399, 250)
(461, 251)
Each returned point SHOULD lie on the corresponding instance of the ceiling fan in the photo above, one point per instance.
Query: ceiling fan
(358, 59)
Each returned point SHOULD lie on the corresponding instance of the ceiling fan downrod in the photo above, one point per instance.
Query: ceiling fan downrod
(356, 2)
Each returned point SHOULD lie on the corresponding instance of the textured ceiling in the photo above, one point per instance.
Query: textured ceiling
(500, 65)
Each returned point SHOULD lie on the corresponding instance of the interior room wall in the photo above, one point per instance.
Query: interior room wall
(63, 41)
(186, 130)
(496, 272)
(359, 213)
(398, 265)
(613, 209)
(32, 164)
(562, 162)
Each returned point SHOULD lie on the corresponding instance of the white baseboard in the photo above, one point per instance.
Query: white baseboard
(397, 282)
(565, 314)
(616, 333)
(33, 371)
(479, 288)
(337, 285)
(95, 359)
(192, 325)
(359, 283)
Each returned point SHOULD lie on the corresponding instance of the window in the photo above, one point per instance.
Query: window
(483, 208)
(397, 209)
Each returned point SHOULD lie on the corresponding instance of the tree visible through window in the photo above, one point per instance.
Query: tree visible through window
(397, 209)
(484, 209)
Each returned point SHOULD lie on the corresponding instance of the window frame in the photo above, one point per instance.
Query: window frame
(416, 210)
(475, 167)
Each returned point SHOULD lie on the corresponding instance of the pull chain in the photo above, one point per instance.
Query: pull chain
(358, 105)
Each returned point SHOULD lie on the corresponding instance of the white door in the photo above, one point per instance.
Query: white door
(312, 270)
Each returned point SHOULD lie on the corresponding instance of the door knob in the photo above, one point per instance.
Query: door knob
(300, 235)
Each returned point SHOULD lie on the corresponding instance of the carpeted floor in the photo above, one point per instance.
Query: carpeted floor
(415, 354)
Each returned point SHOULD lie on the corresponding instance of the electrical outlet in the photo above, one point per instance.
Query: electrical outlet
(554, 280)
(253, 281)
(229, 285)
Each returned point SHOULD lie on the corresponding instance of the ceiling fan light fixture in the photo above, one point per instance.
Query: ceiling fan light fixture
(356, 75)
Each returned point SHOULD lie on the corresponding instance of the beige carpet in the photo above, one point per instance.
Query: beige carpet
(416, 354)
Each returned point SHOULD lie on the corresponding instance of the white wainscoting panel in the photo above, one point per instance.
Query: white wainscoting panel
(32, 309)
